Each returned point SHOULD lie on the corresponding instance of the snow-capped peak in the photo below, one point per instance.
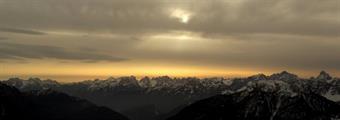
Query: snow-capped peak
(163, 81)
(112, 82)
(128, 81)
(145, 82)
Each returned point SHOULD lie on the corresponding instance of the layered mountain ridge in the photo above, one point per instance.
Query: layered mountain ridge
(160, 95)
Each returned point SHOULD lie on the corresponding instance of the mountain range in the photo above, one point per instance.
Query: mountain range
(162, 97)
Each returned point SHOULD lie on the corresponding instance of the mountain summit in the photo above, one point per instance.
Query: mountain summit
(324, 76)
(284, 75)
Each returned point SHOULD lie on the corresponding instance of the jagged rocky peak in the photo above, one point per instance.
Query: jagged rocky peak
(214, 82)
(258, 77)
(145, 82)
(284, 75)
(324, 76)
(14, 79)
(272, 86)
(31, 83)
(165, 81)
(34, 79)
(188, 80)
(31, 80)
(14, 82)
(128, 81)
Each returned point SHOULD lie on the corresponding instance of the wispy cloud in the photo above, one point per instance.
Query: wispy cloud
(23, 51)
(3, 38)
(22, 31)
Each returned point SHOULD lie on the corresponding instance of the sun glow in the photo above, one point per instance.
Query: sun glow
(182, 15)
(72, 72)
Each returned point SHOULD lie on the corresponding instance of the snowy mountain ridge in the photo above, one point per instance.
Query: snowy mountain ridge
(323, 84)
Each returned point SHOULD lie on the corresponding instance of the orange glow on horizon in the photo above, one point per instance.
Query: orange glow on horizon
(71, 72)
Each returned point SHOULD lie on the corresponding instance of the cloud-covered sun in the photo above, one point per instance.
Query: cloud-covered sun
(182, 15)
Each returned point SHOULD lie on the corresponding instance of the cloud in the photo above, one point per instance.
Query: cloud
(17, 51)
(251, 51)
(311, 18)
(21, 31)
(302, 34)
(3, 38)
(225, 17)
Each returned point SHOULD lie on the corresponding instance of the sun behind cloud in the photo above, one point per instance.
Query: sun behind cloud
(182, 15)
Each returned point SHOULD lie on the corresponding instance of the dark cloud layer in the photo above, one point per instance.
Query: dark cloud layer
(301, 34)
(15, 51)
(305, 17)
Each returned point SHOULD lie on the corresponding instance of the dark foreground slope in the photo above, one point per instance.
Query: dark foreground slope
(261, 105)
(49, 105)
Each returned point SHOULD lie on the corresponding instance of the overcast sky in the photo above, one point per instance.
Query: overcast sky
(93, 38)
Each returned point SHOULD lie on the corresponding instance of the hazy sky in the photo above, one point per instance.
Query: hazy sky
(78, 39)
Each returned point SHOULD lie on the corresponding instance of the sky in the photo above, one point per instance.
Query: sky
(73, 40)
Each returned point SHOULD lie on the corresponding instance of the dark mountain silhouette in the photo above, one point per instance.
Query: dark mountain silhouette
(49, 105)
(148, 112)
(171, 113)
(261, 104)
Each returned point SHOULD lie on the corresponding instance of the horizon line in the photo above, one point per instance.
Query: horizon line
(73, 78)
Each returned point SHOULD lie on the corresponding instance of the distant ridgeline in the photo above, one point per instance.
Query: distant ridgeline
(281, 96)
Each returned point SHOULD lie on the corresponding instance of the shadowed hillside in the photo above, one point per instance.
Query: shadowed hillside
(49, 105)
